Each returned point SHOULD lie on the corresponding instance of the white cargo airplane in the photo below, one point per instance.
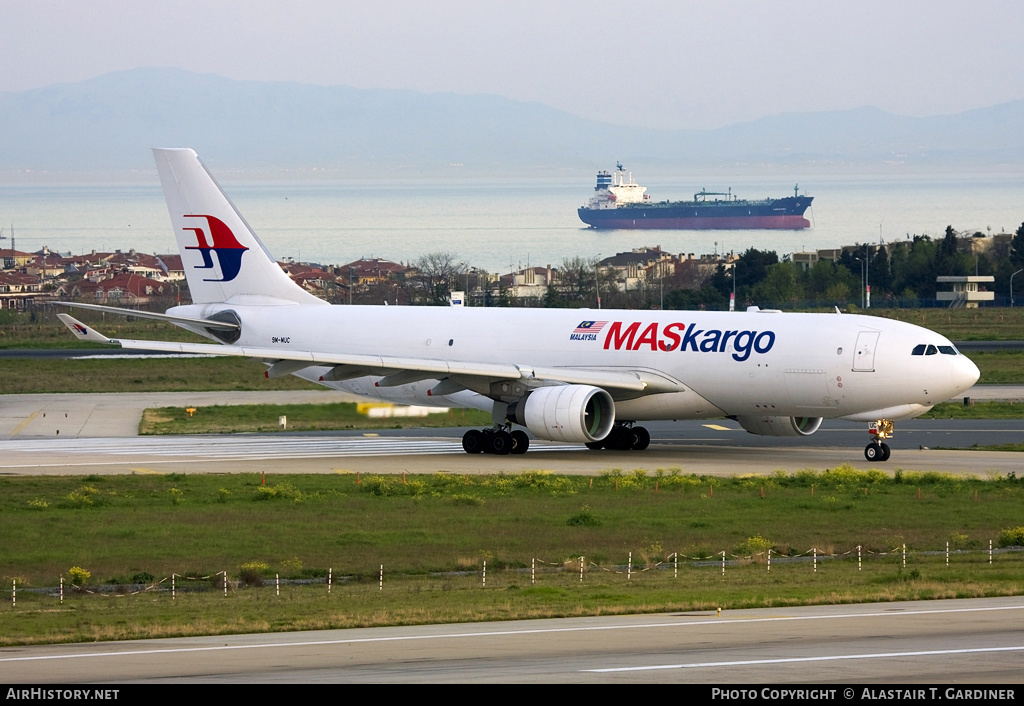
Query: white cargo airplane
(572, 375)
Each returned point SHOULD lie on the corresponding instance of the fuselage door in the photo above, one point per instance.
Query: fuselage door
(864, 356)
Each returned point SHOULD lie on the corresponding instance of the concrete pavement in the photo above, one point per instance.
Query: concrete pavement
(94, 415)
(91, 415)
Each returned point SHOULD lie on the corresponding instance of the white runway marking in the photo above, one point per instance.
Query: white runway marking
(278, 643)
(793, 660)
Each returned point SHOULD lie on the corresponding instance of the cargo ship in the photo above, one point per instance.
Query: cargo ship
(619, 202)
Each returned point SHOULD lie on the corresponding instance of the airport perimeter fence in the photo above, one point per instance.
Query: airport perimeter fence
(225, 583)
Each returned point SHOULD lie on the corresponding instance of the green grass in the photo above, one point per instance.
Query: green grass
(999, 367)
(978, 410)
(510, 594)
(422, 528)
(982, 324)
(300, 417)
(34, 376)
(31, 330)
(342, 415)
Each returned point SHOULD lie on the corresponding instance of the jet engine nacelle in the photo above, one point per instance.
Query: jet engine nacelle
(780, 426)
(573, 413)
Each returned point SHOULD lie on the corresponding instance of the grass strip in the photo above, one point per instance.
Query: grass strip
(144, 374)
(334, 416)
(299, 417)
(977, 410)
(433, 533)
(509, 594)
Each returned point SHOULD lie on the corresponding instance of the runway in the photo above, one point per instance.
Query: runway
(974, 641)
(967, 641)
(689, 447)
(96, 433)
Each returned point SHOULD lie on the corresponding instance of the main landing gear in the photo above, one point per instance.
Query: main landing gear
(624, 437)
(878, 450)
(498, 441)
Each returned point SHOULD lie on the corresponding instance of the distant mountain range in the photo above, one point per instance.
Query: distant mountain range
(108, 123)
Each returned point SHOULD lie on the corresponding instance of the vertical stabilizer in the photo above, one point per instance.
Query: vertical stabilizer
(223, 259)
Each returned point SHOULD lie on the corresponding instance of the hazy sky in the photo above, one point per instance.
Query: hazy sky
(662, 64)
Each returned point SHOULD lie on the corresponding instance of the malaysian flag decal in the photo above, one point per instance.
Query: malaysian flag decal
(587, 331)
(590, 326)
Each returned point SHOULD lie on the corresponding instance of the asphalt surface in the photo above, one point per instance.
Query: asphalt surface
(944, 644)
(76, 434)
(938, 642)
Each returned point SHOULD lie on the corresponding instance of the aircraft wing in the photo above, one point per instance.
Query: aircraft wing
(395, 370)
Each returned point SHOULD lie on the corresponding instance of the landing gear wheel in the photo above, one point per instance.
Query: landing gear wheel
(520, 441)
(595, 445)
(619, 439)
(641, 438)
(874, 452)
(473, 441)
(501, 443)
(886, 452)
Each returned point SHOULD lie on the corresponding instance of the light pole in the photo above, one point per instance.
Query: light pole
(1011, 284)
(867, 277)
(732, 299)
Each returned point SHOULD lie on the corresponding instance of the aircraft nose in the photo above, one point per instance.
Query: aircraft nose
(965, 373)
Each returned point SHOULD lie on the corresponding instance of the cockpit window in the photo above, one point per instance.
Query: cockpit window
(928, 349)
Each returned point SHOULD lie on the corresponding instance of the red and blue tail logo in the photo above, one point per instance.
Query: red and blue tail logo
(227, 248)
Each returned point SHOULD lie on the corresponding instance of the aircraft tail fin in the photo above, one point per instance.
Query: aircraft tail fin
(223, 259)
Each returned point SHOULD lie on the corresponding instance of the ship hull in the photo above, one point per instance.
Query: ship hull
(776, 214)
(638, 222)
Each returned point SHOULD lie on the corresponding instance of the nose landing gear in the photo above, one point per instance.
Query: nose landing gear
(878, 450)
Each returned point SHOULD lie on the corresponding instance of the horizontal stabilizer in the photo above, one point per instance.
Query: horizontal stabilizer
(207, 323)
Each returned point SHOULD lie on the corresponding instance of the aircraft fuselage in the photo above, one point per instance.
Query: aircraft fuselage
(731, 364)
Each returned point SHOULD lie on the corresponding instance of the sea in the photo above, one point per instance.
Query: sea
(501, 224)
